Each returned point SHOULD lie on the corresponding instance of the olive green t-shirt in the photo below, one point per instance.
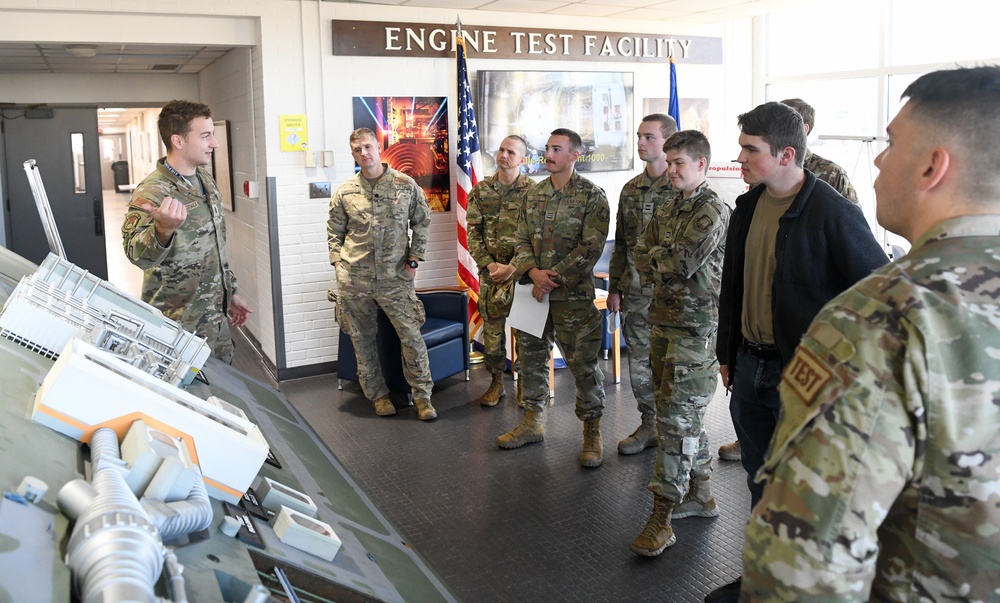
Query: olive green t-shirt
(758, 270)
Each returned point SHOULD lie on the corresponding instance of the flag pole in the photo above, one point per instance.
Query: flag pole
(674, 107)
(468, 174)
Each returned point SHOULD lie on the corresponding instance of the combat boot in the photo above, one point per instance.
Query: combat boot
(698, 502)
(384, 407)
(593, 447)
(425, 412)
(520, 393)
(530, 430)
(657, 535)
(642, 438)
(495, 393)
(731, 452)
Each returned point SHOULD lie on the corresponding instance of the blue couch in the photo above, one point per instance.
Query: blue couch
(446, 333)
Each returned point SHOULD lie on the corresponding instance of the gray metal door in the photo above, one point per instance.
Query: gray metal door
(63, 141)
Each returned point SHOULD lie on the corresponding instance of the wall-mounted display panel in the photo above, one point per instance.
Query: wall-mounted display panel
(413, 132)
(595, 104)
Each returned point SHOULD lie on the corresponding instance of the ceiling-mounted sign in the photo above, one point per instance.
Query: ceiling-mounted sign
(389, 39)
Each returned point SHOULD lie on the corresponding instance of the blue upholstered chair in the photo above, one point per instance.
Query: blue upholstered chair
(446, 333)
(601, 281)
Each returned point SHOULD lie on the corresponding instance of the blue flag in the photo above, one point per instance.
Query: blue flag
(674, 108)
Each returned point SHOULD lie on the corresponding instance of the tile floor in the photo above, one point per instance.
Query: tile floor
(528, 524)
(514, 525)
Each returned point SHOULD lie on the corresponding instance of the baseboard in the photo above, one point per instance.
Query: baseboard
(251, 341)
(285, 374)
(309, 370)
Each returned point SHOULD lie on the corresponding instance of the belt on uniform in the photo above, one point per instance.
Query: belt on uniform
(765, 351)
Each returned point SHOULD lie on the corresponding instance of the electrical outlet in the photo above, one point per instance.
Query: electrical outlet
(319, 190)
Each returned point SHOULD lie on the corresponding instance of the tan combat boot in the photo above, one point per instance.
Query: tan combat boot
(593, 447)
(657, 535)
(384, 407)
(495, 393)
(642, 438)
(698, 502)
(425, 412)
(731, 452)
(530, 430)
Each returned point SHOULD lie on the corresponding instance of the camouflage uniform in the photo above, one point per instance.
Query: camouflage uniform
(564, 231)
(884, 472)
(681, 253)
(640, 199)
(492, 236)
(189, 280)
(368, 234)
(831, 173)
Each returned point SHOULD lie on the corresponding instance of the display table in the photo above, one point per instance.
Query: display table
(373, 563)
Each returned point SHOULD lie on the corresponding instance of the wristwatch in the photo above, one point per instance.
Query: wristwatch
(412, 264)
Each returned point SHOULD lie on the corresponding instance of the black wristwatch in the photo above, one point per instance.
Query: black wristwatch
(412, 264)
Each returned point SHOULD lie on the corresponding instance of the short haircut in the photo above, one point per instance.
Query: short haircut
(361, 133)
(575, 142)
(692, 142)
(524, 143)
(961, 108)
(667, 124)
(804, 109)
(779, 125)
(176, 117)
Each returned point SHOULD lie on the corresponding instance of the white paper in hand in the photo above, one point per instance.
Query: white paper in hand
(526, 313)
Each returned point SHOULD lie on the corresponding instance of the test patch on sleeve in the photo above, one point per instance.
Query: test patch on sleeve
(806, 375)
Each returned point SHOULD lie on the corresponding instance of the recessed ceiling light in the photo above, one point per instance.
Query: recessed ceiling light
(81, 50)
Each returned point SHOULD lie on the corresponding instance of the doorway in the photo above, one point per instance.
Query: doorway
(117, 185)
(63, 141)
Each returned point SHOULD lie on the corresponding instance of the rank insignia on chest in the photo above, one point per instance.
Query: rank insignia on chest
(647, 207)
(550, 215)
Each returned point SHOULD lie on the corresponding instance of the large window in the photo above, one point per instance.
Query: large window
(929, 31)
(794, 37)
(832, 57)
(844, 108)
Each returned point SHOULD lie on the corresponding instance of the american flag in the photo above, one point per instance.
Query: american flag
(469, 172)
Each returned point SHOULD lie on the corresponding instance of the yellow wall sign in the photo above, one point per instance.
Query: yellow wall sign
(294, 133)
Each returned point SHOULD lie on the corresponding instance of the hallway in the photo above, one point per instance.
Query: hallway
(121, 272)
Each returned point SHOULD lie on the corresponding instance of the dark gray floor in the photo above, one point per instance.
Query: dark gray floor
(527, 524)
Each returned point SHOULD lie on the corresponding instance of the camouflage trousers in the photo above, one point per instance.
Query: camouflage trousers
(213, 325)
(636, 328)
(495, 345)
(576, 326)
(357, 315)
(685, 370)
(494, 305)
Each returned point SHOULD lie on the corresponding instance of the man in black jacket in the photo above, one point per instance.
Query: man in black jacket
(793, 244)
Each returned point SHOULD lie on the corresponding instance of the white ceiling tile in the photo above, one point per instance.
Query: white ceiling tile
(468, 4)
(579, 9)
(524, 6)
(621, 3)
(651, 14)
